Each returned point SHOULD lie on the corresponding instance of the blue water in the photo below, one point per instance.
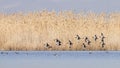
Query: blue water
(8, 6)
(59, 59)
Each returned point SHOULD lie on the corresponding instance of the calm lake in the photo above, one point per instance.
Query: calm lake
(59, 59)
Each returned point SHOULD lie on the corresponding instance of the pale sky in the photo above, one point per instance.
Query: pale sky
(57, 5)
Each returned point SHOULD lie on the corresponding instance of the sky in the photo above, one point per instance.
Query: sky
(59, 5)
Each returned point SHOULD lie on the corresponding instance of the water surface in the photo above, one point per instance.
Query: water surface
(59, 59)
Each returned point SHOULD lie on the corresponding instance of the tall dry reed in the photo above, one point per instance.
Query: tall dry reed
(31, 31)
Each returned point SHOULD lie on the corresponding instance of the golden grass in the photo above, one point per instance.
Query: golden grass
(32, 30)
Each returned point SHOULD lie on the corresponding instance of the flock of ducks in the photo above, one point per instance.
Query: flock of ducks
(86, 42)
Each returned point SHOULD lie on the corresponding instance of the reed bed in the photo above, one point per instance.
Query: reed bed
(31, 31)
